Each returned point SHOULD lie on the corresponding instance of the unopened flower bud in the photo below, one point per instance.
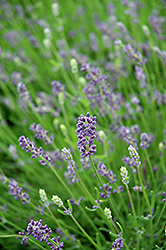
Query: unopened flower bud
(107, 212)
(61, 98)
(146, 30)
(57, 201)
(102, 135)
(55, 9)
(74, 65)
(63, 129)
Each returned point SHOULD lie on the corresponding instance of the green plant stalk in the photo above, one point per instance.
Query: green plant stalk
(58, 224)
(132, 205)
(17, 235)
(148, 204)
(150, 168)
(83, 231)
(65, 186)
(161, 213)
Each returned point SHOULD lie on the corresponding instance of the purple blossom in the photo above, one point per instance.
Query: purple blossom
(118, 243)
(39, 231)
(126, 135)
(107, 173)
(124, 174)
(30, 147)
(71, 164)
(40, 133)
(24, 238)
(57, 87)
(77, 203)
(86, 134)
(16, 191)
(24, 95)
(56, 244)
(134, 155)
(106, 192)
(164, 193)
(144, 141)
(40, 210)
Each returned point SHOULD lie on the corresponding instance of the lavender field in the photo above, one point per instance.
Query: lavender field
(83, 124)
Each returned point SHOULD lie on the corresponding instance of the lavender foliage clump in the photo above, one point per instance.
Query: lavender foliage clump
(86, 134)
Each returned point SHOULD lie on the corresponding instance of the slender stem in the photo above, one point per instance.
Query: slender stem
(143, 190)
(150, 167)
(83, 231)
(132, 205)
(159, 218)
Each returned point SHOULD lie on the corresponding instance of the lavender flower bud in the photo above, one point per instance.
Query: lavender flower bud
(107, 212)
(82, 81)
(39, 231)
(55, 9)
(134, 155)
(57, 245)
(40, 133)
(43, 197)
(57, 201)
(144, 141)
(86, 134)
(102, 135)
(61, 98)
(24, 239)
(16, 191)
(124, 173)
(118, 243)
(71, 164)
(63, 129)
(73, 65)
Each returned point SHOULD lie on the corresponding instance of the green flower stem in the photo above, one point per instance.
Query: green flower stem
(83, 231)
(148, 204)
(132, 205)
(97, 175)
(66, 187)
(65, 116)
(85, 190)
(17, 235)
(58, 224)
(143, 190)
(150, 167)
(161, 213)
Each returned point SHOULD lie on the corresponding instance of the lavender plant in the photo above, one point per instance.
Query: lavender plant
(82, 117)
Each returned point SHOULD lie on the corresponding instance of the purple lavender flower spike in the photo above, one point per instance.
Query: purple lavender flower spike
(16, 191)
(107, 173)
(39, 231)
(24, 239)
(57, 245)
(40, 133)
(106, 192)
(144, 141)
(118, 243)
(29, 146)
(86, 134)
(164, 193)
(71, 167)
(134, 155)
